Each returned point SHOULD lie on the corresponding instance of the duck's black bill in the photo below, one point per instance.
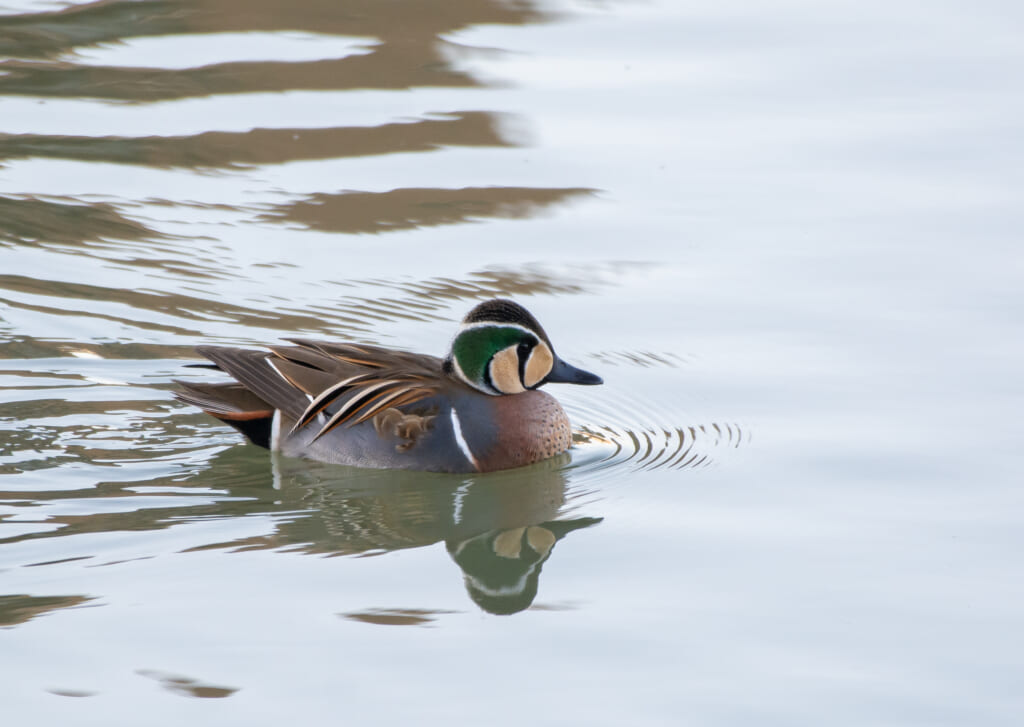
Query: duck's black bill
(563, 373)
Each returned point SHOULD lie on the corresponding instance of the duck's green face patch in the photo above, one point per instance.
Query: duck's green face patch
(489, 357)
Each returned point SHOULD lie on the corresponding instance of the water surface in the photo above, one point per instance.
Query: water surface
(787, 235)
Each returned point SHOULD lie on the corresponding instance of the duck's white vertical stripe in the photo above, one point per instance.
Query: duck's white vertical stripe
(460, 439)
(275, 431)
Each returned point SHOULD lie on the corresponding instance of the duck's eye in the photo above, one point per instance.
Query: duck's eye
(524, 349)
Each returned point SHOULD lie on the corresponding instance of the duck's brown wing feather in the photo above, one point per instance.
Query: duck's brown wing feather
(347, 383)
(366, 380)
(252, 370)
(224, 399)
(339, 356)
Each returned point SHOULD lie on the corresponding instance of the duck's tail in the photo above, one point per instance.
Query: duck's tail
(233, 404)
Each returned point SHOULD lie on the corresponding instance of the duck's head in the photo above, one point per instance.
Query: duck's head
(501, 349)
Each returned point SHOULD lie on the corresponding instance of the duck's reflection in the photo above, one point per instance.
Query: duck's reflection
(499, 529)
(502, 567)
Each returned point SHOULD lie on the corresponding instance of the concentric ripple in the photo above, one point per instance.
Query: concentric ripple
(611, 433)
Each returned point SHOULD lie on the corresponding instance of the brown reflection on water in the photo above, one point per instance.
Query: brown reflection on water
(25, 347)
(405, 48)
(31, 220)
(48, 34)
(356, 316)
(221, 149)
(408, 52)
(437, 293)
(403, 209)
(340, 316)
(187, 686)
(390, 67)
(396, 616)
(20, 608)
(241, 481)
(183, 308)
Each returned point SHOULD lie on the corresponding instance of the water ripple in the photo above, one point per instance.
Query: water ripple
(612, 433)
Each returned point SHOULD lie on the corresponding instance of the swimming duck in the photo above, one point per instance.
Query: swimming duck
(477, 410)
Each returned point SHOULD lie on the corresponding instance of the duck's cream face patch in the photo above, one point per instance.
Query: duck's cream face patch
(538, 365)
(509, 544)
(504, 370)
(540, 539)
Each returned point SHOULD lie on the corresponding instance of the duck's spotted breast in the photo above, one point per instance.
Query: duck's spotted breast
(529, 427)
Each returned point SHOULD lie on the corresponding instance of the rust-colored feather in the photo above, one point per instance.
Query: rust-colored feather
(371, 399)
(393, 398)
(410, 397)
(328, 396)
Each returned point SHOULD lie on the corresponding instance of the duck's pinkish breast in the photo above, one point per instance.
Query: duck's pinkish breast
(531, 427)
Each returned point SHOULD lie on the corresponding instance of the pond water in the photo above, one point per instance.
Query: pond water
(787, 234)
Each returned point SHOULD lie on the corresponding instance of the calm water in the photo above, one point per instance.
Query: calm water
(787, 234)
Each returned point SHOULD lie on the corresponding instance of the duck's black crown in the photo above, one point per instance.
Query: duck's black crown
(501, 310)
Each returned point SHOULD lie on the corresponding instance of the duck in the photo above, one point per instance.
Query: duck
(478, 409)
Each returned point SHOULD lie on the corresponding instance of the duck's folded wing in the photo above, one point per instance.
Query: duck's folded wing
(364, 380)
(343, 382)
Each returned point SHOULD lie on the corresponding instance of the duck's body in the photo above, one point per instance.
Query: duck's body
(477, 410)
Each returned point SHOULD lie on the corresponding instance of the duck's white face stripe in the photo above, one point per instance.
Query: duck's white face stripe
(494, 324)
(460, 439)
(513, 589)
(466, 380)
